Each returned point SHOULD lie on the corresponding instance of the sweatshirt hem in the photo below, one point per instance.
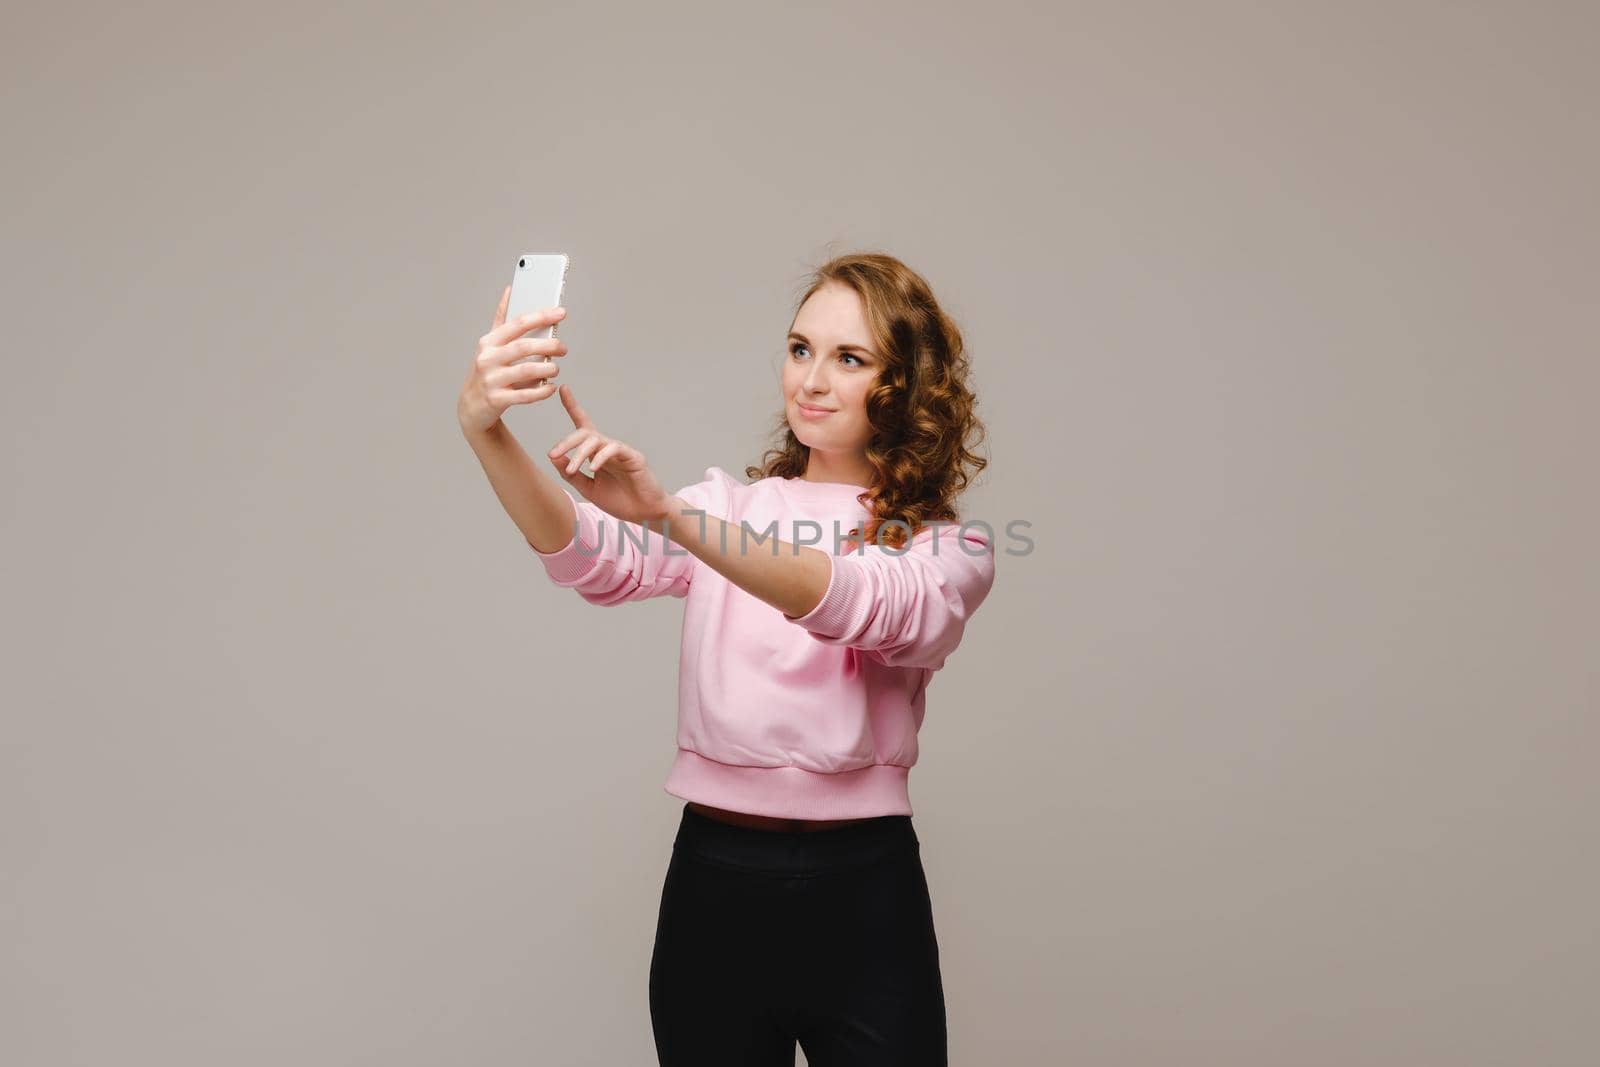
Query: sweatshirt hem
(791, 792)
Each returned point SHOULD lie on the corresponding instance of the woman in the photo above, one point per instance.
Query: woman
(795, 906)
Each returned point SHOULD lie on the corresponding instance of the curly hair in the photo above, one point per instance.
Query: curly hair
(921, 410)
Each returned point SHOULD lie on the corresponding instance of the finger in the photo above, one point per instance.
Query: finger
(611, 449)
(521, 350)
(582, 482)
(527, 395)
(570, 402)
(533, 372)
(533, 320)
(568, 443)
(525, 347)
(500, 312)
(539, 346)
(585, 450)
(622, 449)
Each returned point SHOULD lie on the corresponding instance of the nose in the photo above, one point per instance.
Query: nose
(815, 379)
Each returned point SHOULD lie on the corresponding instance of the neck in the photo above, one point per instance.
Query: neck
(822, 467)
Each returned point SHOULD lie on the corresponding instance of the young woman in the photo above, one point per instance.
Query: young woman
(795, 908)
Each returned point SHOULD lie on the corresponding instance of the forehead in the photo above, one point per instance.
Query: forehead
(835, 310)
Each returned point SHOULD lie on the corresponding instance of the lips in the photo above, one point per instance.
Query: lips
(809, 410)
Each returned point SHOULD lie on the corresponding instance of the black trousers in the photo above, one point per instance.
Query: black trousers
(768, 938)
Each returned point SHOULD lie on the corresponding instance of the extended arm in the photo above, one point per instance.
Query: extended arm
(906, 608)
(789, 577)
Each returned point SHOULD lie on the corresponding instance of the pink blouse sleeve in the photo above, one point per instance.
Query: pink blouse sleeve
(610, 561)
(905, 608)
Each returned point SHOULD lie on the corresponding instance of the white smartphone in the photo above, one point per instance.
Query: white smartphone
(535, 285)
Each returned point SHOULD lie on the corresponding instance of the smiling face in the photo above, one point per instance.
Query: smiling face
(826, 376)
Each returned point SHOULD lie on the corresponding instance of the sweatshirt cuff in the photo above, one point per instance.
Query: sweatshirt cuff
(832, 617)
(567, 566)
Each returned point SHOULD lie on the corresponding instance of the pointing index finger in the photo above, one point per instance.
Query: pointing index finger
(580, 417)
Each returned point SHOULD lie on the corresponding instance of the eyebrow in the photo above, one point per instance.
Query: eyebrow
(841, 348)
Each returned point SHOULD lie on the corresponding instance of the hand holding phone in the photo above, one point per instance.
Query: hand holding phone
(536, 284)
(503, 372)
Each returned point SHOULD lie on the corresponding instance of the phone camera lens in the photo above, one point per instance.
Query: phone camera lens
(522, 262)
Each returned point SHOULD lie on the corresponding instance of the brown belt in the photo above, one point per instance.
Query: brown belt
(767, 822)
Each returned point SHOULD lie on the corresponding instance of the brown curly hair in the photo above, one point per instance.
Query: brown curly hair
(922, 413)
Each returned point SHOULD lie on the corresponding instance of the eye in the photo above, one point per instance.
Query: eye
(796, 346)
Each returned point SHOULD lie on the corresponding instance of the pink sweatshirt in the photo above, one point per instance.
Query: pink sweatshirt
(808, 717)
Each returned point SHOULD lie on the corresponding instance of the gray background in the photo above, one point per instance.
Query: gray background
(1278, 748)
